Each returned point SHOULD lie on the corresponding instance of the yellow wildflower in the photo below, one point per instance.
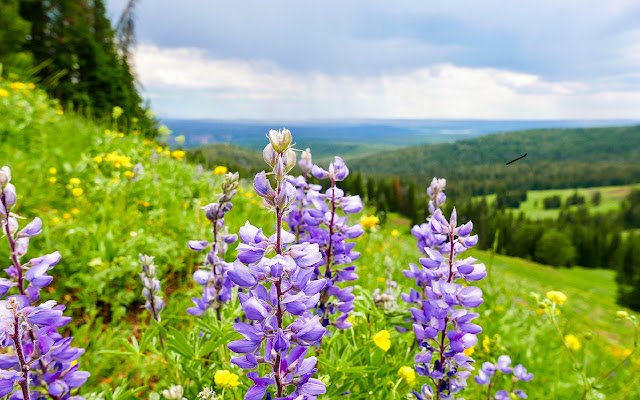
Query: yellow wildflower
(486, 343)
(159, 149)
(53, 171)
(31, 86)
(4, 93)
(178, 154)
(248, 195)
(53, 179)
(17, 85)
(573, 342)
(60, 112)
(167, 152)
(407, 373)
(66, 216)
(380, 279)
(622, 314)
(557, 297)
(118, 160)
(395, 232)
(369, 221)
(74, 181)
(148, 142)
(469, 352)
(539, 311)
(55, 220)
(626, 352)
(220, 170)
(107, 131)
(97, 159)
(74, 211)
(351, 320)
(381, 339)
(129, 174)
(77, 192)
(226, 379)
(121, 134)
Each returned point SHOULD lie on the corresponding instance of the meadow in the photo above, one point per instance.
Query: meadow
(533, 207)
(105, 196)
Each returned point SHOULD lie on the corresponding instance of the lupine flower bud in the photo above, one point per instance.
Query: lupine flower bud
(10, 196)
(280, 139)
(5, 176)
(280, 170)
(289, 159)
(270, 155)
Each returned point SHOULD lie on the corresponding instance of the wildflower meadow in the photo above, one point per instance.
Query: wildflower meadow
(132, 273)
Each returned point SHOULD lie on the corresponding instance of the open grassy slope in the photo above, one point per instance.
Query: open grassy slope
(101, 231)
(611, 197)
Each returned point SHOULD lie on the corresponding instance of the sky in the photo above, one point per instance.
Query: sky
(304, 60)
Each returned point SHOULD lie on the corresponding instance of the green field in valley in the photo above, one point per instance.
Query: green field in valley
(533, 208)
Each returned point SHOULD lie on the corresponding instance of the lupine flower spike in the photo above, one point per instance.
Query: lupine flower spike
(213, 275)
(149, 277)
(330, 231)
(280, 292)
(442, 302)
(40, 359)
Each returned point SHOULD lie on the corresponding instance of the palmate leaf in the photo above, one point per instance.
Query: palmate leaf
(179, 343)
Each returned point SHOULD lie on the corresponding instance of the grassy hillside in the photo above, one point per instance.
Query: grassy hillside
(154, 208)
(611, 197)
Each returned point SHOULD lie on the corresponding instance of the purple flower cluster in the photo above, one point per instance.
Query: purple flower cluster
(424, 234)
(42, 359)
(487, 376)
(321, 224)
(280, 291)
(441, 322)
(213, 275)
(149, 277)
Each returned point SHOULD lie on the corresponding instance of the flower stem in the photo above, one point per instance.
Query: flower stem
(17, 340)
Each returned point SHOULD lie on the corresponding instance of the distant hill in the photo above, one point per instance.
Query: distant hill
(556, 158)
(348, 138)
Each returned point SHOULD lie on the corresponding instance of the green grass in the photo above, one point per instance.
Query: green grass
(611, 197)
(101, 233)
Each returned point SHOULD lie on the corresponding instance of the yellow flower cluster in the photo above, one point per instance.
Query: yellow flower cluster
(178, 154)
(557, 297)
(4, 93)
(618, 352)
(118, 160)
(369, 221)
(220, 170)
(407, 373)
(573, 342)
(382, 340)
(226, 379)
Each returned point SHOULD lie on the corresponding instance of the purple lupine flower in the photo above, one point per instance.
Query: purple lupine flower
(149, 277)
(274, 286)
(213, 275)
(487, 375)
(43, 361)
(317, 221)
(441, 322)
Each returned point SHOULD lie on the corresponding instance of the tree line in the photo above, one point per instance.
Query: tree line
(70, 48)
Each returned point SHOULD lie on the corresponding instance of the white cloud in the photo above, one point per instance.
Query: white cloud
(190, 83)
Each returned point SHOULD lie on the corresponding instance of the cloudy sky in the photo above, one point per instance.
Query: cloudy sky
(389, 59)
